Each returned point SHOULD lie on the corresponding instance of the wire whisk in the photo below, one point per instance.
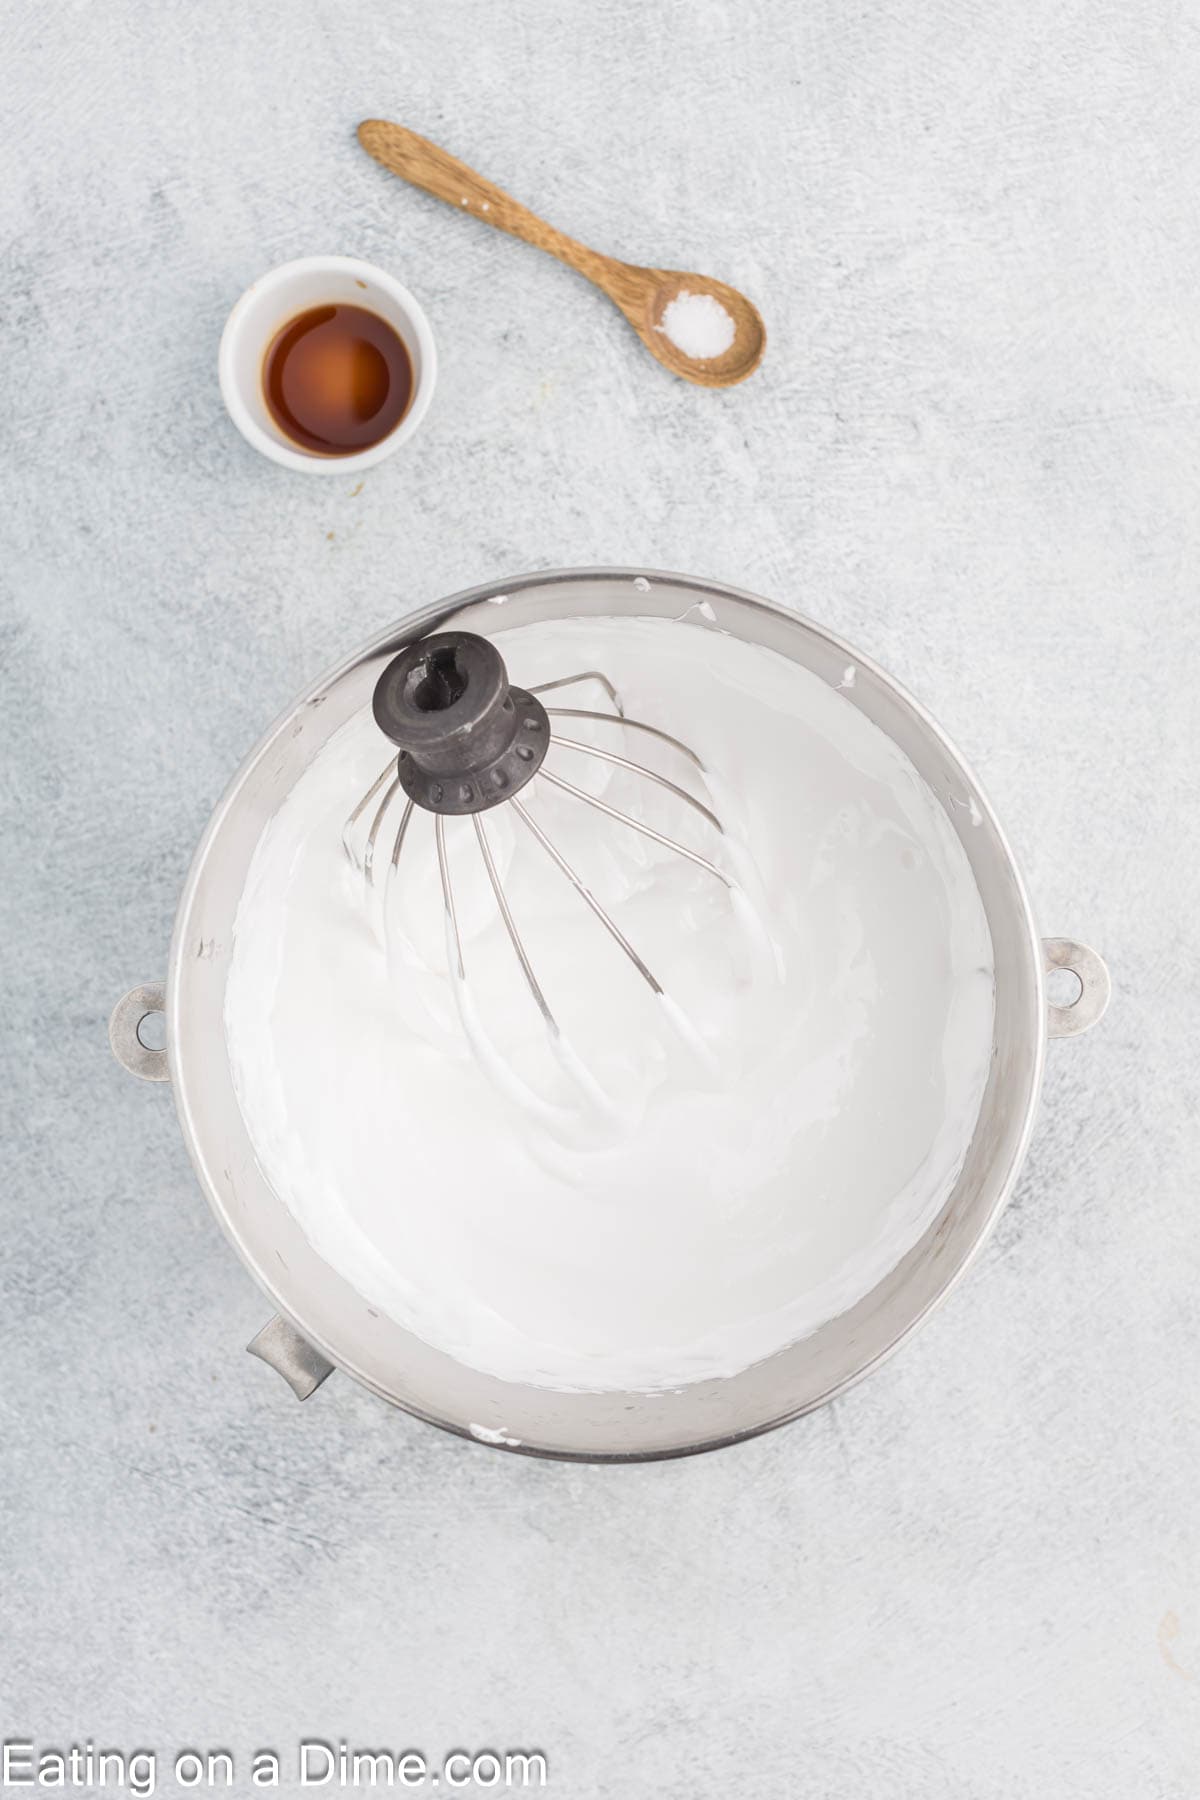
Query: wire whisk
(469, 743)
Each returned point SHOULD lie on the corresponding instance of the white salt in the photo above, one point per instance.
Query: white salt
(698, 325)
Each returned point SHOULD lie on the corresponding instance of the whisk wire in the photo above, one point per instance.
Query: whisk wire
(585, 893)
(636, 768)
(583, 712)
(376, 787)
(373, 834)
(549, 687)
(510, 926)
(612, 812)
(439, 825)
(398, 846)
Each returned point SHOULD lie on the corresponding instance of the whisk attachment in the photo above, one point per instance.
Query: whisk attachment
(467, 742)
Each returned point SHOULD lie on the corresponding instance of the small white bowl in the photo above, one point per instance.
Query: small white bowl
(279, 296)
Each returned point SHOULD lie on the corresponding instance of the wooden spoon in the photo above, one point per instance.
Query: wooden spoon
(642, 294)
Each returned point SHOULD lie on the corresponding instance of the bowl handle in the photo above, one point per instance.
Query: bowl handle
(1095, 987)
(139, 1004)
(302, 1367)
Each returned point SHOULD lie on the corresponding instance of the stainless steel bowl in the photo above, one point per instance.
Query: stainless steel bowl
(322, 1323)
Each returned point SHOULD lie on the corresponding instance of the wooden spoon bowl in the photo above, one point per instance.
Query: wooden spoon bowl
(650, 293)
(643, 295)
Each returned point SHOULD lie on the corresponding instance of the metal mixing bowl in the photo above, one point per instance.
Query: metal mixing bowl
(323, 1323)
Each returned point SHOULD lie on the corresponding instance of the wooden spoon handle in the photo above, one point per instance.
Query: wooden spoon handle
(428, 166)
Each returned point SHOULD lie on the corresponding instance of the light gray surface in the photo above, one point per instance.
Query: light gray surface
(972, 449)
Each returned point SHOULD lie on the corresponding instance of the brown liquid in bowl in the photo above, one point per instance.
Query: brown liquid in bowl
(337, 379)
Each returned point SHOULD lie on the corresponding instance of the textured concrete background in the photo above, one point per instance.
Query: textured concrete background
(973, 449)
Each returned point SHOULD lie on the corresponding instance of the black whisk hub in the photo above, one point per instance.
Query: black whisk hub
(467, 739)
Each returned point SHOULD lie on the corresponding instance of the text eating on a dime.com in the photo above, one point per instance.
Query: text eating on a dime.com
(314, 1763)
